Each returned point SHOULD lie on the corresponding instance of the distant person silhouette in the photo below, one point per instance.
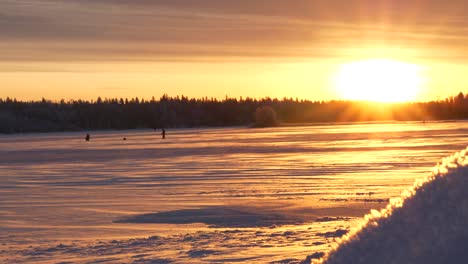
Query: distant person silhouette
(87, 137)
(163, 133)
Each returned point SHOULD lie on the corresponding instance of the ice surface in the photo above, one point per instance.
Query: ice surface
(205, 195)
(220, 216)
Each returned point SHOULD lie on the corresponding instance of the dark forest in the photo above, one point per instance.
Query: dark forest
(177, 112)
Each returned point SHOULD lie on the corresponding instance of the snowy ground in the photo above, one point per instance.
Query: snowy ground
(205, 195)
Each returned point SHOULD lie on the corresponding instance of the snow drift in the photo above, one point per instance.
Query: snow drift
(427, 224)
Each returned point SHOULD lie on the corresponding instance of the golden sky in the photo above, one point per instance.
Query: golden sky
(116, 48)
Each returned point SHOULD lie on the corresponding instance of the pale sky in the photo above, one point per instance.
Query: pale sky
(115, 48)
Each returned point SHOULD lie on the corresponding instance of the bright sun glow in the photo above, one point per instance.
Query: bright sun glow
(379, 80)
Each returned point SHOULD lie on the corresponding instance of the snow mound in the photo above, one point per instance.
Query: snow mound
(427, 224)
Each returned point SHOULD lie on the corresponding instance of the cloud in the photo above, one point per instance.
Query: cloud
(177, 29)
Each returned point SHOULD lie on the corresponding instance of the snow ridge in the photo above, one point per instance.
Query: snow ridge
(427, 224)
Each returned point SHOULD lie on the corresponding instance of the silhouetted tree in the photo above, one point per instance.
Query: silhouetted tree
(265, 116)
(170, 112)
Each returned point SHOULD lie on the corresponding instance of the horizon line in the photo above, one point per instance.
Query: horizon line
(220, 99)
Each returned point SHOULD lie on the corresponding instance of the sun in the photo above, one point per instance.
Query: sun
(380, 80)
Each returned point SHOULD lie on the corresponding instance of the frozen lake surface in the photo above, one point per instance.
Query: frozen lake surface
(205, 195)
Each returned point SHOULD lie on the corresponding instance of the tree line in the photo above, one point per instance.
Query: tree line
(181, 111)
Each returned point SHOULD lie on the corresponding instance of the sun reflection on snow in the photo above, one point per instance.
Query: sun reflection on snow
(57, 182)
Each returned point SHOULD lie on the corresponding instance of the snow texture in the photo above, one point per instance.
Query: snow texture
(427, 224)
(224, 195)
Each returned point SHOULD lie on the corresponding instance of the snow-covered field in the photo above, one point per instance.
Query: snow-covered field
(239, 195)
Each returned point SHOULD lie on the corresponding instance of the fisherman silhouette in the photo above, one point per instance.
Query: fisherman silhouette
(87, 137)
(163, 133)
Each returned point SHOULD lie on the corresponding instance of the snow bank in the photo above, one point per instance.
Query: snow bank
(428, 224)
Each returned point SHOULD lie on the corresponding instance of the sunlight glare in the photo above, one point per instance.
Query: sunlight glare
(379, 80)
